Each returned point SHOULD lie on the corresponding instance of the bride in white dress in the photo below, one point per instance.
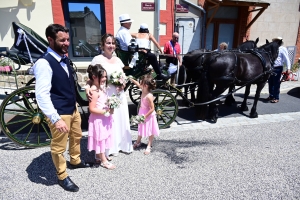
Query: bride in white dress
(122, 140)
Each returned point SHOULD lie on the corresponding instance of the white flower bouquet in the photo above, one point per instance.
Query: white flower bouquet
(137, 119)
(118, 78)
(113, 102)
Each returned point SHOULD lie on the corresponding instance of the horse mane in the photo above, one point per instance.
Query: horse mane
(249, 44)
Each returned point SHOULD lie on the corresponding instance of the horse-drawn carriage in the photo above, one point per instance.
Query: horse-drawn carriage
(23, 122)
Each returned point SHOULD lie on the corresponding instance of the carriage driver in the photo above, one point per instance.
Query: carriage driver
(56, 97)
(124, 37)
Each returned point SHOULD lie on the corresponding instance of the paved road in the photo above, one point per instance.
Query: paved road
(242, 161)
(236, 158)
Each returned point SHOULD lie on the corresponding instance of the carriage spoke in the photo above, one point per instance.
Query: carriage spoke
(169, 109)
(17, 131)
(22, 121)
(46, 131)
(166, 107)
(17, 113)
(18, 121)
(167, 102)
(28, 133)
(22, 107)
(26, 99)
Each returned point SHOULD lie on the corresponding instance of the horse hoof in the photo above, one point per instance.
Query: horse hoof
(214, 121)
(255, 115)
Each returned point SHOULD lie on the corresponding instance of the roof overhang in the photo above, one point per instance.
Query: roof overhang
(259, 5)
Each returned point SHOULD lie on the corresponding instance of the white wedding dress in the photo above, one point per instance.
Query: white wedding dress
(122, 140)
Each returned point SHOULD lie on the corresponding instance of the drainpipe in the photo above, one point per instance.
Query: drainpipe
(157, 21)
(203, 22)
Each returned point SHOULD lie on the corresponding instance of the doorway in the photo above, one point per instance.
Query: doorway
(218, 32)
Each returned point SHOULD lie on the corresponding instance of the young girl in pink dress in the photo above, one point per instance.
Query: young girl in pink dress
(150, 127)
(100, 120)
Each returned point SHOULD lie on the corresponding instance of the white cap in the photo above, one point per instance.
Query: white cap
(125, 18)
(144, 26)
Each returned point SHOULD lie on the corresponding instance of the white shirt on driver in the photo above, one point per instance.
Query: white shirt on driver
(124, 38)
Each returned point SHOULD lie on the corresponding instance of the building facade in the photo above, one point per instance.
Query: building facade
(200, 23)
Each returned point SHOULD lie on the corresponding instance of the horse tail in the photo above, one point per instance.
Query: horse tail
(202, 96)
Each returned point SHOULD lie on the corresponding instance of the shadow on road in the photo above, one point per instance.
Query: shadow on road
(42, 171)
(295, 92)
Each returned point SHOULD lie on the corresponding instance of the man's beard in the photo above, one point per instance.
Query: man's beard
(59, 49)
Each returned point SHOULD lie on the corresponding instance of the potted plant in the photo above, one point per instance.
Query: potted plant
(5, 64)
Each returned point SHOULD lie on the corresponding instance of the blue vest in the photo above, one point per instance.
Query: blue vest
(62, 93)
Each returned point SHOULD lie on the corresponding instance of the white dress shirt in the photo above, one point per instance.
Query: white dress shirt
(124, 38)
(43, 75)
(283, 58)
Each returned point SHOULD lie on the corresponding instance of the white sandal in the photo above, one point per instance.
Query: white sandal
(148, 150)
(108, 165)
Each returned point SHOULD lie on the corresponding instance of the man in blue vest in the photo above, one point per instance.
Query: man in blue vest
(56, 97)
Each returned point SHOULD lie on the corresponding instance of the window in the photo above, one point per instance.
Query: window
(86, 22)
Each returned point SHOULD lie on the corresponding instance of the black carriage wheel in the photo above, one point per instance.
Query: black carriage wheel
(30, 82)
(166, 107)
(135, 94)
(24, 123)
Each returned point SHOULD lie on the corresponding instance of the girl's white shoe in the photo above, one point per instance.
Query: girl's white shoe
(148, 150)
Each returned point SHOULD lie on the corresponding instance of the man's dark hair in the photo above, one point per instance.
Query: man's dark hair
(53, 29)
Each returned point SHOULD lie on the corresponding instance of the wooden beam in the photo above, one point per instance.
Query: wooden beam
(255, 10)
(213, 2)
(255, 18)
(212, 7)
(238, 3)
(212, 16)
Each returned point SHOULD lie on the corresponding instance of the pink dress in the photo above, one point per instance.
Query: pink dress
(100, 128)
(150, 126)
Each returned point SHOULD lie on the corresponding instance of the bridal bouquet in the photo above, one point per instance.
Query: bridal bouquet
(138, 119)
(118, 78)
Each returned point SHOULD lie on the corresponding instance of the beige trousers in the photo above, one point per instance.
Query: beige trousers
(59, 143)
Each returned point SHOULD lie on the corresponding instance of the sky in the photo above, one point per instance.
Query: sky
(80, 7)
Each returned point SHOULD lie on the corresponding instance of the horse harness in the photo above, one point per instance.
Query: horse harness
(262, 60)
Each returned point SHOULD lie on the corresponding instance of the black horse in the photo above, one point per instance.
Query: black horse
(245, 46)
(218, 71)
(190, 62)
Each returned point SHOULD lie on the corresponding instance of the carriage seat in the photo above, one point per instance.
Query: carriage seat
(125, 56)
(141, 67)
